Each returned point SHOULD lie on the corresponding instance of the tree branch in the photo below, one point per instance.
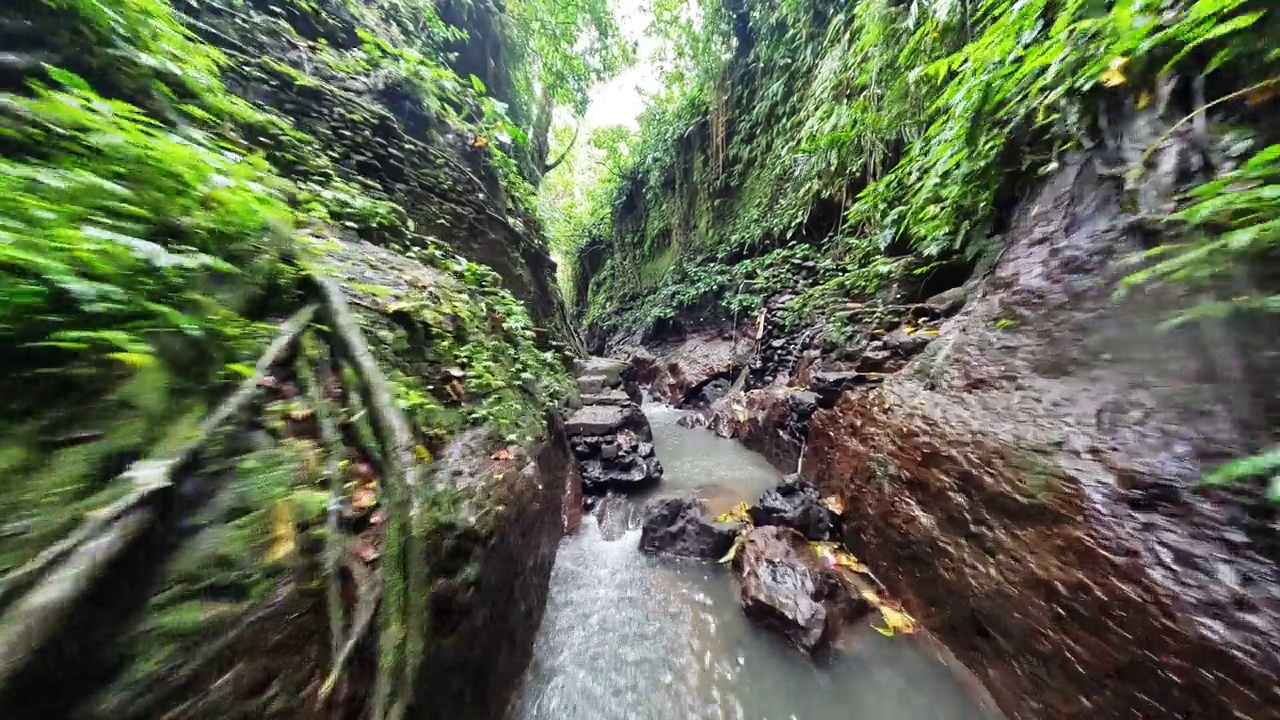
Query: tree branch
(555, 164)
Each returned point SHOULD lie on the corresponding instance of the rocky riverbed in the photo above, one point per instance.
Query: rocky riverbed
(621, 621)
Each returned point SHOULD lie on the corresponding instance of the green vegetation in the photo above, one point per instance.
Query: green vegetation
(881, 140)
(152, 218)
(173, 172)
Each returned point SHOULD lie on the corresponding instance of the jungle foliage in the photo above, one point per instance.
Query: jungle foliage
(158, 218)
(876, 140)
(151, 215)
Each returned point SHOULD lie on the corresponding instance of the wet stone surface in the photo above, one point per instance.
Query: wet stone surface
(795, 504)
(609, 434)
(785, 589)
(681, 526)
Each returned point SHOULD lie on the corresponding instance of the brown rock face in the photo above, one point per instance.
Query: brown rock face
(1024, 485)
(497, 571)
(682, 365)
(772, 421)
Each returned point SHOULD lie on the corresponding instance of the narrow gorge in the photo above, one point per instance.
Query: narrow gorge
(591, 360)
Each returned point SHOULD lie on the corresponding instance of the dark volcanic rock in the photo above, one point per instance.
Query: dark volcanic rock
(828, 384)
(679, 526)
(620, 462)
(609, 434)
(608, 397)
(785, 589)
(795, 504)
(906, 343)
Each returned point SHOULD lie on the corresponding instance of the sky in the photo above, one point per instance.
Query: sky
(619, 101)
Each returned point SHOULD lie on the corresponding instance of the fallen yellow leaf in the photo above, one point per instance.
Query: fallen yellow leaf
(282, 532)
(740, 513)
(1144, 99)
(834, 554)
(1114, 76)
(738, 542)
(896, 620)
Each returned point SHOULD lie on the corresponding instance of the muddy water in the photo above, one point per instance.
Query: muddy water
(630, 637)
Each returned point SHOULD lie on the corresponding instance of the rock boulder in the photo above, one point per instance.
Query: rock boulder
(796, 504)
(785, 588)
(679, 526)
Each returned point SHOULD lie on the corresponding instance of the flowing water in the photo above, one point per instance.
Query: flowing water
(632, 637)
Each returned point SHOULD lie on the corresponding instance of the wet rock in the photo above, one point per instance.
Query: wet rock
(906, 343)
(874, 360)
(692, 420)
(608, 397)
(680, 526)
(828, 384)
(690, 362)
(771, 421)
(708, 394)
(785, 588)
(620, 463)
(948, 302)
(608, 368)
(592, 384)
(1014, 480)
(604, 419)
(796, 504)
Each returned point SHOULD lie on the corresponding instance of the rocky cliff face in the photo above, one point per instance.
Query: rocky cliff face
(1029, 480)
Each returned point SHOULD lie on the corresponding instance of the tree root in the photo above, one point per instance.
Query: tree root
(63, 574)
(404, 561)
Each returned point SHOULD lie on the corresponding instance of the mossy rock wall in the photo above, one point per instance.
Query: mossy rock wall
(375, 181)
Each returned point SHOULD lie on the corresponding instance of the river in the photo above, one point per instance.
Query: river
(632, 637)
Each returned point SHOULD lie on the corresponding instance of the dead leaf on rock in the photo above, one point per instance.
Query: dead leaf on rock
(283, 534)
(896, 620)
(834, 555)
(502, 455)
(740, 513)
(834, 504)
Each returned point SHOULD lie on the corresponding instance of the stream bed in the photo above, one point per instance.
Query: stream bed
(632, 637)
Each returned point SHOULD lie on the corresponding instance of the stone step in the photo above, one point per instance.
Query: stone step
(593, 384)
(608, 397)
(603, 419)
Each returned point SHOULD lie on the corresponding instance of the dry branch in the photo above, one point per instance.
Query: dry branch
(404, 559)
(362, 620)
(28, 625)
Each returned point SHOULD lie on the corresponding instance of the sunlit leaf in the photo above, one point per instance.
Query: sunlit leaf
(283, 533)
